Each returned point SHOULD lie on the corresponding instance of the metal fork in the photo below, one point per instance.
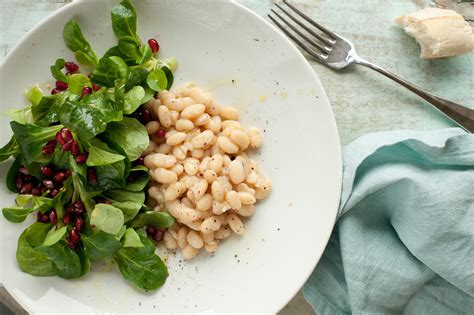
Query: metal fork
(337, 52)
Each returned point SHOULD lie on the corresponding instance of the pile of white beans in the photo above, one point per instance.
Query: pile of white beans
(201, 174)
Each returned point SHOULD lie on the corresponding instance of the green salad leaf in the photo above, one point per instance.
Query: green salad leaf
(12, 174)
(131, 239)
(157, 80)
(100, 245)
(9, 149)
(129, 208)
(54, 235)
(34, 95)
(56, 70)
(108, 70)
(141, 266)
(29, 259)
(77, 82)
(133, 99)
(124, 20)
(107, 218)
(160, 220)
(66, 262)
(75, 40)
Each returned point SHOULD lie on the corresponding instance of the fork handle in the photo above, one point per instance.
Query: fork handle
(461, 115)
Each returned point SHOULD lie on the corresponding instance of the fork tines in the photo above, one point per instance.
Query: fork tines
(316, 41)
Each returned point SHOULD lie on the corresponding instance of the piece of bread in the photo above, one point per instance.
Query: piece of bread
(440, 33)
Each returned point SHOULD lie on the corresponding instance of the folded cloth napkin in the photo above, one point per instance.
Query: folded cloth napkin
(404, 239)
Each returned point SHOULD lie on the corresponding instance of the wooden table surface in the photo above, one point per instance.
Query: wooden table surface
(363, 101)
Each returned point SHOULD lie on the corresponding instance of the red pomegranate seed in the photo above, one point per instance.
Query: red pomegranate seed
(79, 224)
(155, 47)
(47, 171)
(96, 87)
(59, 177)
(158, 235)
(86, 90)
(19, 182)
(161, 133)
(68, 146)
(75, 148)
(43, 190)
(53, 193)
(48, 148)
(74, 235)
(45, 218)
(38, 216)
(26, 188)
(91, 175)
(71, 67)
(61, 86)
(48, 183)
(78, 207)
(36, 191)
(140, 161)
(82, 158)
(67, 219)
(144, 115)
(53, 216)
(68, 173)
(150, 231)
(55, 91)
(72, 245)
(64, 136)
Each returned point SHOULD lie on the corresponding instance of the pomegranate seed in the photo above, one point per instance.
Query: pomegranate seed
(64, 136)
(71, 67)
(68, 146)
(74, 235)
(95, 87)
(59, 177)
(48, 148)
(139, 161)
(79, 224)
(19, 182)
(68, 173)
(86, 90)
(91, 175)
(155, 47)
(61, 86)
(72, 245)
(53, 216)
(27, 178)
(53, 193)
(38, 216)
(78, 207)
(82, 158)
(55, 91)
(150, 230)
(48, 183)
(144, 115)
(43, 190)
(75, 148)
(23, 170)
(26, 189)
(161, 133)
(47, 171)
(45, 218)
(67, 219)
(158, 235)
(36, 191)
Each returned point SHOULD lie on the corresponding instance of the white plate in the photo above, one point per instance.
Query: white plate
(275, 88)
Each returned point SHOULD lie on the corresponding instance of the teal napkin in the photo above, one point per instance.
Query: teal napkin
(404, 239)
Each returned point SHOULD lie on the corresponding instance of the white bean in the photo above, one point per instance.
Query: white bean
(210, 176)
(236, 224)
(246, 210)
(229, 113)
(222, 233)
(195, 225)
(217, 190)
(199, 96)
(211, 247)
(219, 207)
(164, 148)
(231, 125)
(233, 199)
(193, 111)
(183, 213)
(176, 138)
(210, 224)
(205, 203)
(203, 140)
(164, 176)
(204, 164)
(164, 116)
(156, 193)
(174, 190)
(174, 116)
(152, 127)
(148, 161)
(191, 166)
(216, 163)
(236, 172)
(199, 189)
(150, 149)
(240, 138)
(247, 198)
(197, 153)
(227, 145)
(169, 241)
(189, 252)
(185, 201)
(202, 120)
(184, 125)
(182, 233)
(255, 137)
(194, 239)
(242, 187)
(264, 189)
(163, 160)
(178, 169)
(207, 237)
(179, 152)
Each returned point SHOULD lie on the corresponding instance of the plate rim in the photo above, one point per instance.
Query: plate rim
(334, 128)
